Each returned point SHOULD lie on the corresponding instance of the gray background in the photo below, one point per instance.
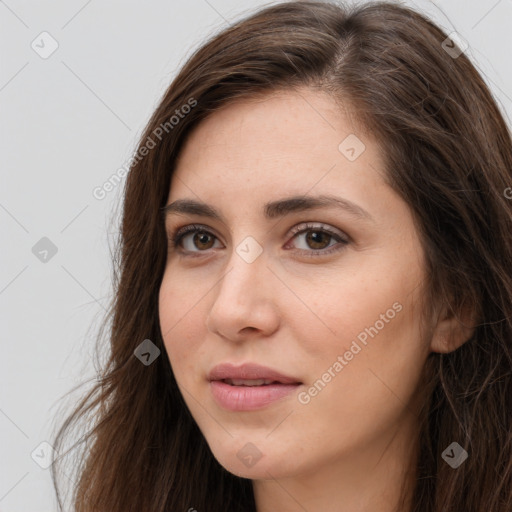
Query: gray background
(68, 122)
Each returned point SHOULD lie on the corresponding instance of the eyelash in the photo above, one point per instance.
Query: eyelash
(176, 237)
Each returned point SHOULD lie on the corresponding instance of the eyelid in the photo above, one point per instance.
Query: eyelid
(303, 226)
(175, 236)
(178, 232)
(310, 226)
(339, 236)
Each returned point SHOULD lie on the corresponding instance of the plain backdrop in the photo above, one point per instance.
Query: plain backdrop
(70, 117)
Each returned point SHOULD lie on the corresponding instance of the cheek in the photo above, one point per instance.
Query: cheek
(377, 362)
(181, 324)
(371, 322)
(361, 306)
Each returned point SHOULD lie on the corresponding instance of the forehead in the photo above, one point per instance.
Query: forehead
(291, 139)
(282, 121)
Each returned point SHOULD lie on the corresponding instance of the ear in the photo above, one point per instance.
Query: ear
(452, 330)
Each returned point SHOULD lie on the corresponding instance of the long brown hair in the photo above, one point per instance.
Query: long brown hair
(448, 154)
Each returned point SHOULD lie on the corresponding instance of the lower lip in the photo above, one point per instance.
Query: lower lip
(249, 398)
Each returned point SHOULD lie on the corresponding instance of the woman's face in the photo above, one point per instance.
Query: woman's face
(327, 295)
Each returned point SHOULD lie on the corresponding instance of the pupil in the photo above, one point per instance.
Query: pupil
(202, 238)
(315, 239)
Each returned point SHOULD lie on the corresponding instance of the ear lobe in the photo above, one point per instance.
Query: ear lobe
(452, 330)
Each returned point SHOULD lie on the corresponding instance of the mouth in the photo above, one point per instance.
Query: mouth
(251, 382)
(250, 386)
(249, 374)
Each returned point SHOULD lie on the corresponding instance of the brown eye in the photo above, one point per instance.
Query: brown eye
(318, 239)
(313, 240)
(203, 240)
(193, 239)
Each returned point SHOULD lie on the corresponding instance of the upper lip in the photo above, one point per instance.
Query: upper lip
(249, 371)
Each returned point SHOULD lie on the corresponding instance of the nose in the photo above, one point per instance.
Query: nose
(245, 300)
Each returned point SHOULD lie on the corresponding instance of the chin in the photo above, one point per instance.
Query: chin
(246, 461)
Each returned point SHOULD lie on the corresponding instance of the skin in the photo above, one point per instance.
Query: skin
(349, 448)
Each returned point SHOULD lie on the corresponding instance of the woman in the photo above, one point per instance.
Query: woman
(314, 302)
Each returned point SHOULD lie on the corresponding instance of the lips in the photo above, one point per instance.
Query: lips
(250, 382)
(249, 387)
(249, 374)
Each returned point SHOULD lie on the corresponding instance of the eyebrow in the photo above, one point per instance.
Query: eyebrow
(273, 209)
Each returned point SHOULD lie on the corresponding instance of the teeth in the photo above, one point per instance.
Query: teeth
(248, 382)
